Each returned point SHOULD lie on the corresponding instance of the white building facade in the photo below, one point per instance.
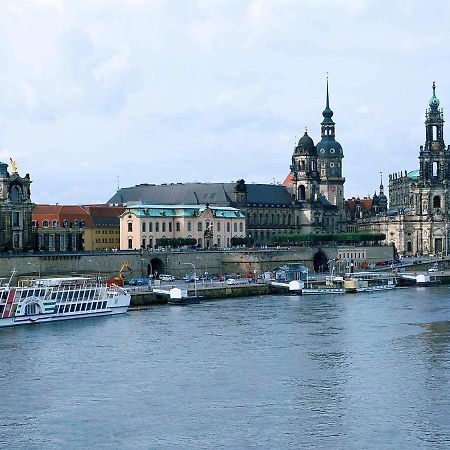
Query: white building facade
(211, 226)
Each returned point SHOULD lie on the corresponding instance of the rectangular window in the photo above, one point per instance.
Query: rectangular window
(189, 227)
(130, 244)
(163, 227)
(157, 227)
(15, 219)
(143, 227)
(218, 226)
(228, 228)
(170, 227)
(199, 226)
(178, 226)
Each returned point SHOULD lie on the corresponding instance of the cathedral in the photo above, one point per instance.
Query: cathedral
(417, 221)
(311, 198)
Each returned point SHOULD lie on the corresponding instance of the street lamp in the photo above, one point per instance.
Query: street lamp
(195, 277)
(149, 275)
(38, 265)
(98, 268)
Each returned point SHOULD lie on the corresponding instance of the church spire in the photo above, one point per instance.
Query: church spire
(434, 101)
(327, 112)
(381, 184)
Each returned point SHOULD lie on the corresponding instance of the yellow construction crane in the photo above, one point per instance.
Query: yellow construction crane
(118, 279)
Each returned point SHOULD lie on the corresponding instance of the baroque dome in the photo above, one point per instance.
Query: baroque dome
(305, 146)
(329, 149)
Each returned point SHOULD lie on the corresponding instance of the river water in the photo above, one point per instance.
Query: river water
(350, 371)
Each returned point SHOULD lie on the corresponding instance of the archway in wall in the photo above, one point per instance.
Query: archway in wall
(157, 267)
(320, 262)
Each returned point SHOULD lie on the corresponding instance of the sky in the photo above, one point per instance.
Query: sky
(100, 94)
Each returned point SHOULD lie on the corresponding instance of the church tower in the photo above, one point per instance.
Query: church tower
(434, 157)
(304, 170)
(329, 163)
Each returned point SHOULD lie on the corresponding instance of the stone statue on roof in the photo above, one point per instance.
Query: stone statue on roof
(13, 165)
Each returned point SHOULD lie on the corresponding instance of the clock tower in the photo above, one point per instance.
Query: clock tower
(329, 164)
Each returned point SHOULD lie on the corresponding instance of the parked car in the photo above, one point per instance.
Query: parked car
(433, 269)
(138, 281)
(166, 277)
(190, 278)
(233, 281)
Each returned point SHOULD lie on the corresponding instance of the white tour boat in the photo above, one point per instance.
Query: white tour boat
(50, 299)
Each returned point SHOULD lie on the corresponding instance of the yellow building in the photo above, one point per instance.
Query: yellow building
(104, 234)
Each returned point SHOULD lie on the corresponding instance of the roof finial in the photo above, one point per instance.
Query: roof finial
(328, 99)
(434, 87)
(306, 129)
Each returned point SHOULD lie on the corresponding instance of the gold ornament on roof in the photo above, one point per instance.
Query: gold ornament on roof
(13, 165)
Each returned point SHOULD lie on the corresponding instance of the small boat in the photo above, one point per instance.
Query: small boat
(322, 290)
(369, 282)
(180, 297)
(184, 301)
(52, 299)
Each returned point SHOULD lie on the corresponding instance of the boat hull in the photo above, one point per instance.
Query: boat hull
(41, 318)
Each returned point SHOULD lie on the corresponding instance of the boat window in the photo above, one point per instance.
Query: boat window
(66, 309)
(72, 307)
(70, 295)
(61, 309)
(64, 296)
(4, 295)
(83, 307)
(94, 305)
(91, 293)
(2, 307)
(89, 306)
(78, 307)
(104, 305)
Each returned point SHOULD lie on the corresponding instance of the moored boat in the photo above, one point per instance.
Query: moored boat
(369, 282)
(51, 299)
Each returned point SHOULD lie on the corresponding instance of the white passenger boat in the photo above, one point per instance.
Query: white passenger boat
(50, 299)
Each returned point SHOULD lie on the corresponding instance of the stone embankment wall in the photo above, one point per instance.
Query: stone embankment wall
(176, 263)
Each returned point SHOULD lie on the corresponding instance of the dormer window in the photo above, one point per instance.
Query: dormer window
(54, 223)
(45, 223)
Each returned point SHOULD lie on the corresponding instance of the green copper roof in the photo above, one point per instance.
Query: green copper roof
(182, 211)
(434, 101)
(413, 175)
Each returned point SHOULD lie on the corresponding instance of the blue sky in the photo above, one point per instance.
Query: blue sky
(212, 90)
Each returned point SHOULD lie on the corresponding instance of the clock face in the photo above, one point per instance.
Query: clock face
(322, 150)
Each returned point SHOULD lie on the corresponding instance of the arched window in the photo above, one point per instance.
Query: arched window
(15, 194)
(301, 192)
(45, 223)
(436, 201)
(75, 223)
(54, 223)
(130, 227)
(409, 246)
(435, 169)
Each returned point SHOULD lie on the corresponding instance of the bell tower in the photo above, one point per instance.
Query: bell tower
(434, 158)
(304, 170)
